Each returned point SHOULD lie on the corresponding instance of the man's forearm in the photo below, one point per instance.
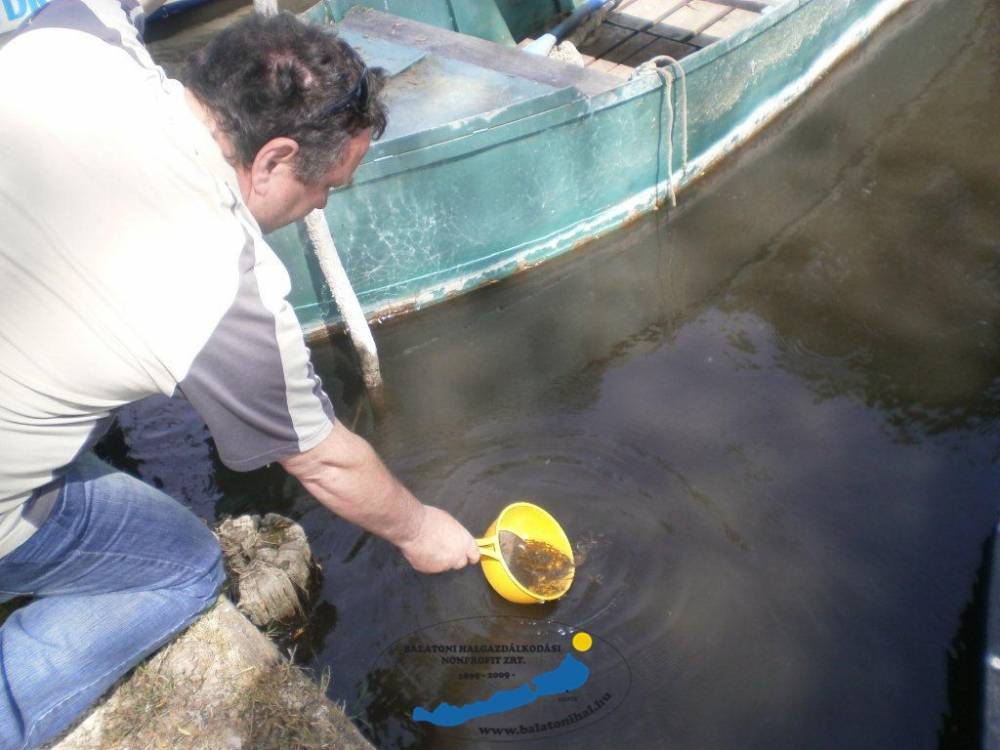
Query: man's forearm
(345, 474)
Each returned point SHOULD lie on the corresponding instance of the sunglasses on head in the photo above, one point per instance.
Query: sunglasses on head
(356, 97)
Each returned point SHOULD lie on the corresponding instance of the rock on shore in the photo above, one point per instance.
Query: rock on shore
(223, 685)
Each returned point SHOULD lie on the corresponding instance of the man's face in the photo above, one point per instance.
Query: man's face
(273, 191)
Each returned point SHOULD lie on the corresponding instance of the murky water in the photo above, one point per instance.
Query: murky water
(769, 421)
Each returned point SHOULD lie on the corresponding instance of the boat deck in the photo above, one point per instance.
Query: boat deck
(637, 30)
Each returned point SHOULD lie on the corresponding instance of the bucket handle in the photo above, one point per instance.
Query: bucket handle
(488, 547)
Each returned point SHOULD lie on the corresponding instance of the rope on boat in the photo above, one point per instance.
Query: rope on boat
(665, 66)
(319, 236)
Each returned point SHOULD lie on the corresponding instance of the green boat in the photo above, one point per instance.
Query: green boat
(497, 159)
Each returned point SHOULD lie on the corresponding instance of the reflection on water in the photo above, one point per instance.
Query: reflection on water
(768, 422)
(771, 418)
(162, 433)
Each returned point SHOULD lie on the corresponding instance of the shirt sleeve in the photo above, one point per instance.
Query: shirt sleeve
(120, 23)
(253, 382)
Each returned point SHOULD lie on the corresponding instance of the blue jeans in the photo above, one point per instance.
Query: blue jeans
(116, 571)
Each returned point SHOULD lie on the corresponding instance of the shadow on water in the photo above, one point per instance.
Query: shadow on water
(962, 723)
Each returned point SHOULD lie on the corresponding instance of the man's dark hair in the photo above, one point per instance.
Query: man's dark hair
(270, 76)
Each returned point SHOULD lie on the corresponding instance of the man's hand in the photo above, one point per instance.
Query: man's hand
(345, 475)
(441, 543)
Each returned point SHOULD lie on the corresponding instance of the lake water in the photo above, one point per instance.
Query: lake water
(768, 419)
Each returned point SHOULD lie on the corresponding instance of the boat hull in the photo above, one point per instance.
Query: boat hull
(432, 215)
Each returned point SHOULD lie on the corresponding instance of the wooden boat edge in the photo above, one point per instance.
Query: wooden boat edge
(534, 252)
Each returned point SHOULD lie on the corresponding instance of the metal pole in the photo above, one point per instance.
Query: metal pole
(321, 240)
(322, 243)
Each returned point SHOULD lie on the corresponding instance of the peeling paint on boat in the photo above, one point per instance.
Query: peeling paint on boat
(431, 220)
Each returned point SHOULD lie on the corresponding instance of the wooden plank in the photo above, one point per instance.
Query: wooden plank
(608, 37)
(450, 44)
(754, 6)
(624, 4)
(642, 14)
(659, 46)
(687, 22)
(727, 26)
(629, 47)
(613, 68)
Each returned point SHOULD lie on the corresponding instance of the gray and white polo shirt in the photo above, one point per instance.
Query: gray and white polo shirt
(129, 265)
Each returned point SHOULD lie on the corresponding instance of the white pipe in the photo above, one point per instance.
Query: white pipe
(541, 46)
(322, 243)
(343, 293)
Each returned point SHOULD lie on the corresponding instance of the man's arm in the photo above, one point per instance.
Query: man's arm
(345, 474)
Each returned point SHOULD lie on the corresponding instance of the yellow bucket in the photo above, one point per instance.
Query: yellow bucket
(530, 523)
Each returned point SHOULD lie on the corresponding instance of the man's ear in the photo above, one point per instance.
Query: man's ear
(274, 158)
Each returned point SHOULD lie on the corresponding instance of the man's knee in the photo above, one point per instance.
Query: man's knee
(207, 575)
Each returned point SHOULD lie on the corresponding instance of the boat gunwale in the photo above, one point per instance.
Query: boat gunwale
(534, 252)
(424, 154)
(388, 153)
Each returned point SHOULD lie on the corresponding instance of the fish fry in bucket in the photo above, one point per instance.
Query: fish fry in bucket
(526, 556)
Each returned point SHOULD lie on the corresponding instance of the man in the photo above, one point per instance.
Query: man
(132, 263)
